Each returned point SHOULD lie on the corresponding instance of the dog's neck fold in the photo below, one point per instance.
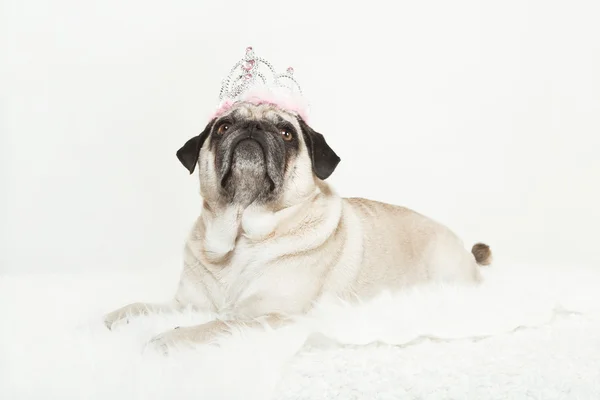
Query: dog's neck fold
(224, 225)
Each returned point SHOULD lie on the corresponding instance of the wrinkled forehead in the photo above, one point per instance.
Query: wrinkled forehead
(261, 112)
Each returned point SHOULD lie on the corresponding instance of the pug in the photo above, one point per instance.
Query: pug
(273, 237)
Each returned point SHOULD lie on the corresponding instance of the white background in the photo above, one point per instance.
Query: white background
(483, 115)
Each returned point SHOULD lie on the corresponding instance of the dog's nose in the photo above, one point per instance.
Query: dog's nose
(254, 127)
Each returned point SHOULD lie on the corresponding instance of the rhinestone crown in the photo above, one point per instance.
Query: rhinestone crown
(252, 70)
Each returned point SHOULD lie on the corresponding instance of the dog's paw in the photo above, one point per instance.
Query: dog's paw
(115, 319)
(123, 314)
(188, 337)
(164, 342)
(158, 344)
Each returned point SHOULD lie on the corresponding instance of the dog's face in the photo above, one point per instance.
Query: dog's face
(258, 154)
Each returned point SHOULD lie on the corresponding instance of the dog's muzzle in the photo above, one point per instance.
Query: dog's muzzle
(254, 145)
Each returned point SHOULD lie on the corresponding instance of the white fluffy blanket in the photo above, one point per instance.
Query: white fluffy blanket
(530, 332)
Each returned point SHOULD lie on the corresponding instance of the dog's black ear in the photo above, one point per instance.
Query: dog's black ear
(324, 160)
(189, 153)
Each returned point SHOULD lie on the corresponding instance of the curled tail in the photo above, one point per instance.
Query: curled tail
(482, 253)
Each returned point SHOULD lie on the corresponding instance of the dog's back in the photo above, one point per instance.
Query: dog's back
(402, 247)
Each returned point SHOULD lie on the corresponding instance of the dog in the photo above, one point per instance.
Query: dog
(273, 237)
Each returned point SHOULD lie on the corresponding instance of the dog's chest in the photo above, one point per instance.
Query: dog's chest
(258, 271)
(246, 274)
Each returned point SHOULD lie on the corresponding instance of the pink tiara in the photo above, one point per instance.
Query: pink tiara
(254, 80)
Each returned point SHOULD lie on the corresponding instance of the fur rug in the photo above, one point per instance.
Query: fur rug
(529, 332)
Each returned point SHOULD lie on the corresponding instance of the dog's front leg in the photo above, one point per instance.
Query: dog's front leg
(137, 309)
(209, 332)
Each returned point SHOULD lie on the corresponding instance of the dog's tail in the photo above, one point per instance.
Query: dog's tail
(482, 253)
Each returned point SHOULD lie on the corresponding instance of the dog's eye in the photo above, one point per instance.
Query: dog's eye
(223, 128)
(286, 135)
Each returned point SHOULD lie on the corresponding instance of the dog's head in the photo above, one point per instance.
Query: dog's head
(258, 153)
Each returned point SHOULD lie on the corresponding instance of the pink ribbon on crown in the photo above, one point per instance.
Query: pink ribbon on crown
(261, 95)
